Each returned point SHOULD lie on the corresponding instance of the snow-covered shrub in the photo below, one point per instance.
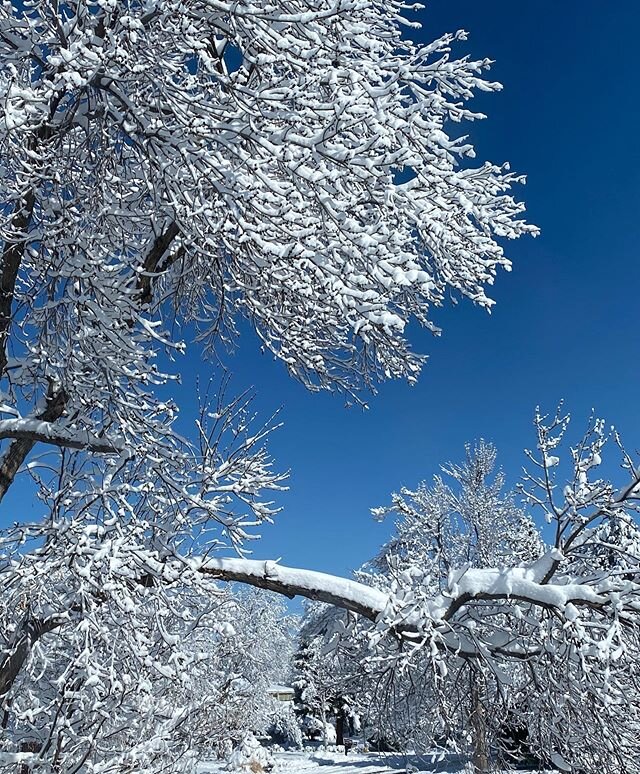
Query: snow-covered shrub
(284, 728)
(250, 755)
(329, 734)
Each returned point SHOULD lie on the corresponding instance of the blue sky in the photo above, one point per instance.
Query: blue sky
(566, 322)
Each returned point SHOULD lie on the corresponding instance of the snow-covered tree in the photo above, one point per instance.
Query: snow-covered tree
(156, 680)
(102, 573)
(463, 519)
(470, 520)
(325, 675)
(553, 642)
(310, 692)
(166, 167)
(182, 157)
(245, 650)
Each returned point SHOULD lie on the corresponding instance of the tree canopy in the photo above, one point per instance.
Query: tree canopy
(168, 167)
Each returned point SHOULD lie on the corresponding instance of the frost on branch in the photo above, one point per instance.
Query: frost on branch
(468, 640)
(294, 163)
(545, 640)
(166, 167)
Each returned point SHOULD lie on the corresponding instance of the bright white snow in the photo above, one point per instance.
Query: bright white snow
(322, 762)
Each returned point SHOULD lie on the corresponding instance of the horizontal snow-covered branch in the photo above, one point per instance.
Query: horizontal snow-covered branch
(513, 583)
(46, 432)
(290, 581)
(521, 583)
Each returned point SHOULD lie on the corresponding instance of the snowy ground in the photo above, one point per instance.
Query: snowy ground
(354, 763)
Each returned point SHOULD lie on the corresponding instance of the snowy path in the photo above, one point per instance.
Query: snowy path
(370, 763)
(354, 763)
(335, 763)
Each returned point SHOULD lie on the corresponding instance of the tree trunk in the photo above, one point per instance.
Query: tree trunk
(340, 727)
(323, 720)
(31, 747)
(17, 452)
(478, 723)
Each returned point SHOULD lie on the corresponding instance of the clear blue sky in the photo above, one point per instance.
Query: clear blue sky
(566, 324)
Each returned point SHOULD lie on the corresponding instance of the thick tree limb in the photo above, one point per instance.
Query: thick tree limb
(11, 260)
(17, 452)
(292, 582)
(38, 430)
(13, 250)
(508, 584)
(519, 583)
(152, 263)
(25, 637)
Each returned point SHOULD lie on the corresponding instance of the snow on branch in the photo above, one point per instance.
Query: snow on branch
(496, 584)
(291, 582)
(513, 583)
(46, 432)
